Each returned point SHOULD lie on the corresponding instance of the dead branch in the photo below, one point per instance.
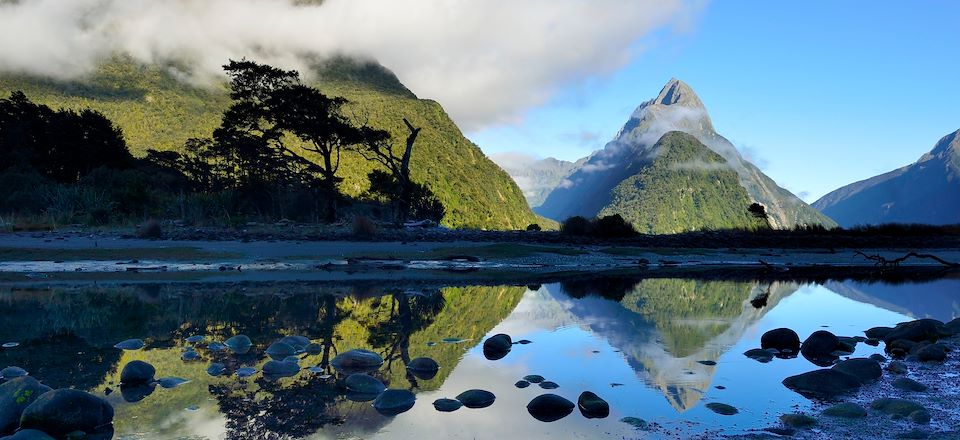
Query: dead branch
(881, 261)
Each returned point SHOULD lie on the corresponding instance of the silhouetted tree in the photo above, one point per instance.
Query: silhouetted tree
(758, 211)
(381, 149)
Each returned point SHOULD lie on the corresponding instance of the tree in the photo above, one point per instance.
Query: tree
(758, 211)
(318, 121)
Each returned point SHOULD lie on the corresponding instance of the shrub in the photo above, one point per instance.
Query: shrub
(150, 229)
(613, 226)
(364, 227)
(534, 227)
(576, 225)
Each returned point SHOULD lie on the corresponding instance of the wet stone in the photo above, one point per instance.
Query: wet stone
(897, 367)
(216, 369)
(171, 382)
(896, 408)
(846, 410)
(275, 369)
(637, 423)
(15, 396)
(822, 384)
(357, 360)
(476, 398)
(878, 357)
(447, 405)
(364, 384)
(865, 370)
(533, 378)
(549, 385)
(280, 350)
(299, 343)
(799, 421)
(246, 372)
(137, 373)
(781, 339)
(722, 409)
(759, 355)
(189, 356)
(521, 384)
(196, 339)
(13, 373)
(239, 344)
(592, 406)
(707, 363)
(130, 344)
(60, 413)
(393, 402)
(549, 407)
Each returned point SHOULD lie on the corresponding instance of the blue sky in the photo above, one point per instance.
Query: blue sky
(818, 93)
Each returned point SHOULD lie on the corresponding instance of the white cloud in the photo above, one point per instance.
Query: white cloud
(487, 61)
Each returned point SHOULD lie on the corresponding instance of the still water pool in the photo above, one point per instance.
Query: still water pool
(658, 350)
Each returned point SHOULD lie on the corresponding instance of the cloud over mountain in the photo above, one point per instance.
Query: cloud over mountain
(487, 61)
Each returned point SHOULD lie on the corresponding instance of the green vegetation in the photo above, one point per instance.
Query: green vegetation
(686, 187)
(156, 111)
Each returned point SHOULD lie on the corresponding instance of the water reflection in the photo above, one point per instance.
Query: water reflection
(652, 348)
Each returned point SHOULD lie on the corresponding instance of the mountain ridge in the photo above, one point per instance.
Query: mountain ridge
(926, 191)
(676, 108)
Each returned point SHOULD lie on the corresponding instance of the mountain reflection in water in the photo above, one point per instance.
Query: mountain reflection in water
(645, 345)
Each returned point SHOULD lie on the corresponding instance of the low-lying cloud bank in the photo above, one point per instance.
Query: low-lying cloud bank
(487, 61)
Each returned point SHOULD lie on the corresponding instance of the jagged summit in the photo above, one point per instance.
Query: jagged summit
(948, 147)
(677, 92)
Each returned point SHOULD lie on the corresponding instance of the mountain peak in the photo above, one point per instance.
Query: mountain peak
(677, 92)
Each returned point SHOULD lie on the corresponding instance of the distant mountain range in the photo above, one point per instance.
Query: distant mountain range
(688, 191)
(157, 110)
(927, 191)
(536, 177)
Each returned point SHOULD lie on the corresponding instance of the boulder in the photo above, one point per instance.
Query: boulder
(130, 344)
(137, 373)
(280, 350)
(798, 421)
(822, 384)
(786, 341)
(932, 353)
(722, 409)
(275, 369)
(423, 368)
(818, 348)
(759, 355)
(908, 384)
(897, 367)
(15, 396)
(846, 410)
(549, 385)
(899, 348)
(952, 327)
(11, 373)
(62, 412)
(521, 384)
(363, 384)
(476, 398)
(592, 406)
(239, 344)
(878, 357)
(920, 416)
(549, 407)
(533, 378)
(299, 343)
(916, 331)
(357, 361)
(864, 369)
(393, 402)
(897, 408)
(447, 405)
(497, 346)
(878, 332)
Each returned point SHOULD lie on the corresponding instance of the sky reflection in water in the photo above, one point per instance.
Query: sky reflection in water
(636, 346)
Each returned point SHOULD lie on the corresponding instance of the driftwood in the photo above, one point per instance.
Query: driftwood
(886, 262)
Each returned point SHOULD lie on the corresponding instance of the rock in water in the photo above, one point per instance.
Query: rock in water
(136, 393)
(216, 369)
(137, 373)
(722, 409)
(476, 398)
(865, 370)
(878, 332)
(549, 385)
(447, 405)
(313, 349)
(592, 406)
(239, 344)
(393, 402)
(917, 331)
(299, 343)
(822, 384)
(10, 373)
(786, 341)
(759, 355)
(130, 344)
(819, 348)
(62, 412)
(171, 382)
(15, 396)
(363, 384)
(932, 353)
(635, 422)
(846, 410)
(549, 407)
(278, 351)
(497, 346)
(277, 369)
(357, 361)
(521, 384)
(423, 368)
(533, 378)
(246, 372)
(196, 339)
(29, 434)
